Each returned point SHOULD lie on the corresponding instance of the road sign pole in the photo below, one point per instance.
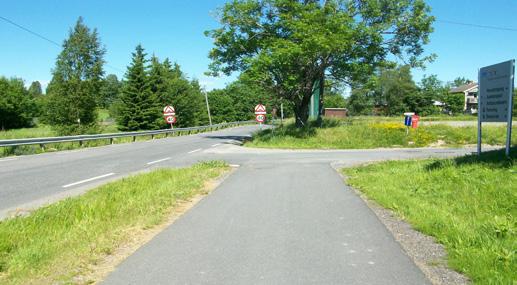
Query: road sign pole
(479, 112)
(510, 109)
(282, 113)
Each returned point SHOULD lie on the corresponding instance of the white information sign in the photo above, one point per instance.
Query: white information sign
(495, 92)
(495, 102)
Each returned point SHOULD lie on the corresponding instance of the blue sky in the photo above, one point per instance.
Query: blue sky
(175, 29)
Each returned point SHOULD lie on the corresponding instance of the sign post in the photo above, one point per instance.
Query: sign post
(260, 114)
(495, 98)
(170, 115)
(281, 113)
(408, 121)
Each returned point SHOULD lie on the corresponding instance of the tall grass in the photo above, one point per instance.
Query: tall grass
(60, 241)
(36, 132)
(363, 134)
(469, 204)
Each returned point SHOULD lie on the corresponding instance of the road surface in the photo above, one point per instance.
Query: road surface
(284, 217)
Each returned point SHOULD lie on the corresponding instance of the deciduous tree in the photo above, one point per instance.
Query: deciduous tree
(16, 105)
(109, 92)
(35, 89)
(76, 81)
(288, 45)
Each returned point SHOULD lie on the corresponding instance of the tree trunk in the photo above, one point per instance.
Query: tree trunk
(301, 111)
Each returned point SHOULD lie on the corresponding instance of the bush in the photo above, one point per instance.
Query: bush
(455, 102)
(16, 105)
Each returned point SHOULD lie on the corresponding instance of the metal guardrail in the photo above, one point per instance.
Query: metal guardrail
(83, 138)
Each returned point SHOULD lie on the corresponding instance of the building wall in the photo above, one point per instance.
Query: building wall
(336, 113)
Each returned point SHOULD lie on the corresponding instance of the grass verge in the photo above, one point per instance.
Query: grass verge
(57, 243)
(468, 204)
(357, 134)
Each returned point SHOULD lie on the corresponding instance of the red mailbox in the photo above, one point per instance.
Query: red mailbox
(414, 121)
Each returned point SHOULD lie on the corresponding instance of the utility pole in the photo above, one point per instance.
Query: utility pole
(208, 108)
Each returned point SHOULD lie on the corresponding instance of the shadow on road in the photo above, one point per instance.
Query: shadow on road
(241, 139)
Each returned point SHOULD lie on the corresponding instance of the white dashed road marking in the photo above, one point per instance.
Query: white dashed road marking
(196, 150)
(157, 161)
(88, 180)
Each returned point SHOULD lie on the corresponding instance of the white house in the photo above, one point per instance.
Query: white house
(470, 92)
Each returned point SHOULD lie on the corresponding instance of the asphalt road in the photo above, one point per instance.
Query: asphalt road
(31, 181)
(283, 217)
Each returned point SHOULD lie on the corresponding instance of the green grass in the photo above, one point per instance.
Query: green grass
(59, 242)
(103, 115)
(365, 134)
(469, 204)
(36, 132)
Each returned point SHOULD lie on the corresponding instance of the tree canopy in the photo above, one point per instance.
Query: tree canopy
(16, 105)
(35, 89)
(76, 81)
(288, 45)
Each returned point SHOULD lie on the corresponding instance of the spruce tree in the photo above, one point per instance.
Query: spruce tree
(159, 84)
(76, 81)
(137, 109)
(185, 96)
(158, 80)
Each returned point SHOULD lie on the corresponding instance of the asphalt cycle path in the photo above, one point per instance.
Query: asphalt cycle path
(274, 223)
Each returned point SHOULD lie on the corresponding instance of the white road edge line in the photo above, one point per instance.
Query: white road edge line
(196, 150)
(214, 145)
(88, 180)
(234, 165)
(157, 161)
(8, 159)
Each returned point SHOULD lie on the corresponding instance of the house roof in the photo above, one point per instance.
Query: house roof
(463, 88)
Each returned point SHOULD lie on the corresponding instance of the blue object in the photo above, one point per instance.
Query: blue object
(407, 121)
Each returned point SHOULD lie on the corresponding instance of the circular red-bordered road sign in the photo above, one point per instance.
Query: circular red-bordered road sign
(170, 119)
(260, 118)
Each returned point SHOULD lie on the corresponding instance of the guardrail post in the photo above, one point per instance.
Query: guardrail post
(134, 138)
(42, 146)
(111, 140)
(80, 143)
(152, 136)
